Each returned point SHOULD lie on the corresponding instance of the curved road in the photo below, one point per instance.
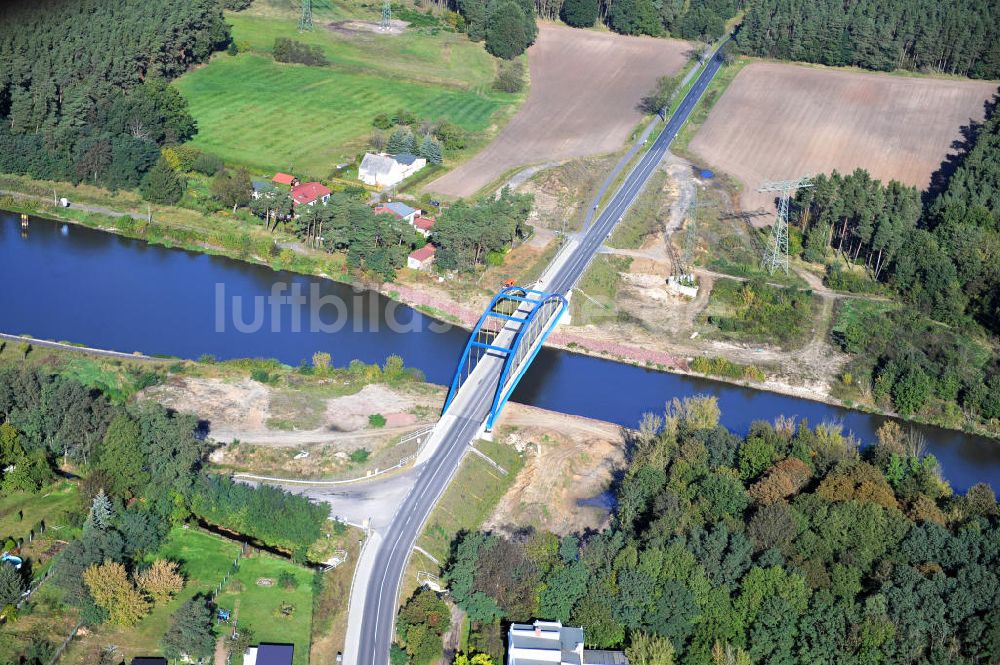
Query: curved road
(457, 429)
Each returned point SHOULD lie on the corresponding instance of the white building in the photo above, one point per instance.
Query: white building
(421, 259)
(383, 170)
(551, 643)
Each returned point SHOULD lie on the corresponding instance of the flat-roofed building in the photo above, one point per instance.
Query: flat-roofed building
(551, 643)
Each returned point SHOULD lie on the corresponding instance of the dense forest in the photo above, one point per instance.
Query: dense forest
(950, 36)
(84, 92)
(789, 545)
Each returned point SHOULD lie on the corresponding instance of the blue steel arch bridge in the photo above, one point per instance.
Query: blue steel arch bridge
(510, 333)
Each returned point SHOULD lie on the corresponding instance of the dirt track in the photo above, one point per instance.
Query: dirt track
(584, 90)
(778, 121)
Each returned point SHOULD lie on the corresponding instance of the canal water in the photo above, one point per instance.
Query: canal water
(70, 283)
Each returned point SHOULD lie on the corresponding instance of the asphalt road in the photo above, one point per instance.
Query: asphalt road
(457, 429)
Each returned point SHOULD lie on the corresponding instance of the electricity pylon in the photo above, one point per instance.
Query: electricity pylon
(386, 15)
(691, 211)
(776, 254)
(306, 20)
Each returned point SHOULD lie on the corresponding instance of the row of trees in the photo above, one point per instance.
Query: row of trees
(267, 513)
(956, 36)
(83, 90)
(859, 217)
(784, 546)
(696, 19)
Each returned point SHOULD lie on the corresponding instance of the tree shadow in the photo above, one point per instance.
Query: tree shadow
(941, 178)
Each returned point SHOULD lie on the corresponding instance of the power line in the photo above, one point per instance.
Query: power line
(776, 254)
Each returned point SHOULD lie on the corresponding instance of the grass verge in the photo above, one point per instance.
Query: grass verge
(471, 496)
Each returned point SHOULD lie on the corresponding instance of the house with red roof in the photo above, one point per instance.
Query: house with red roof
(308, 193)
(421, 259)
(285, 179)
(423, 225)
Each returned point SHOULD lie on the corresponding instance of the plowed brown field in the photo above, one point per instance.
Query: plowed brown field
(779, 121)
(585, 87)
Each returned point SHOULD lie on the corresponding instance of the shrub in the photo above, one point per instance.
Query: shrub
(260, 375)
(376, 420)
(207, 164)
(161, 184)
(510, 77)
(287, 580)
(361, 455)
(382, 121)
(289, 50)
(849, 280)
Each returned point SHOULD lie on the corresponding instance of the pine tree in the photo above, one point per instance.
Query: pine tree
(400, 141)
(431, 150)
(190, 631)
(11, 584)
(101, 511)
(161, 184)
(509, 31)
(121, 456)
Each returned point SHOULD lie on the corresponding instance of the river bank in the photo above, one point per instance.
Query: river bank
(428, 300)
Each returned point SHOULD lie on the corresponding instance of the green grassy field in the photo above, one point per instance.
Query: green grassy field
(254, 111)
(204, 561)
(420, 54)
(273, 116)
(259, 605)
(50, 504)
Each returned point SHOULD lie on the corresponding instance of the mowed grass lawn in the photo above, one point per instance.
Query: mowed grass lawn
(420, 54)
(272, 116)
(204, 560)
(260, 606)
(50, 504)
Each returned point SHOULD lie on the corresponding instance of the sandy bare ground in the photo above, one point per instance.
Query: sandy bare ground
(240, 410)
(585, 87)
(568, 459)
(779, 121)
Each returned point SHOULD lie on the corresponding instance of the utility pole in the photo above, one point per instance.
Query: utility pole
(306, 20)
(776, 254)
(386, 15)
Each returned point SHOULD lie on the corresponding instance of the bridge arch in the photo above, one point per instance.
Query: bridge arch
(513, 328)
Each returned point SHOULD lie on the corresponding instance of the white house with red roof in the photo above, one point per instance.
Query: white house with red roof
(421, 259)
(423, 225)
(308, 193)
